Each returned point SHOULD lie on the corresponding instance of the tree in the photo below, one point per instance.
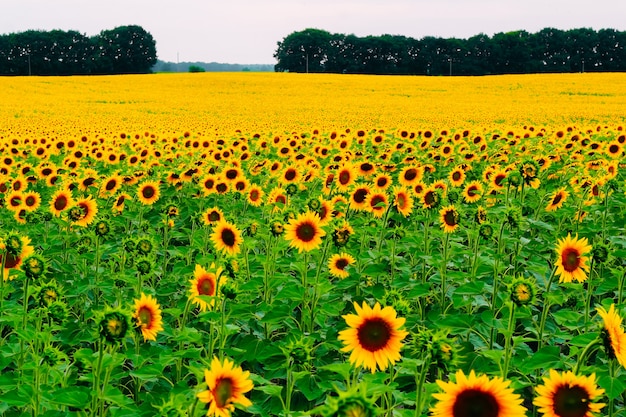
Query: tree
(124, 50)
(305, 51)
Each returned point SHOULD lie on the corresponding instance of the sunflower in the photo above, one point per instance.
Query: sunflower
(111, 185)
(568, 395)
(205, 283)
(148, 192)
(402, 201)
(305, 232)
(32, 200)
(212, 216)
(227, 385)
(613, 335)
(325, 211)
(496, 179)
(410, 175)
(60, 201)
(345, 177)
(278, 198)
(147, 317)
(473, 192)
(338, 263)
(557, 199)
(473, 396)
(376, 203)
(374, 336)
(255, 195)
(84, 211)
(431, 198)
(571, 264)
(457, 176)
(226, 237)
(16, 248)
(208, 183)
(118, 204)
(449, 218)
(382, 181)
(14, 200)
(358, 198)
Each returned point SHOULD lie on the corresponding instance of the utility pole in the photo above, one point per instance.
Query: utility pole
(450, 60)
(307, 63)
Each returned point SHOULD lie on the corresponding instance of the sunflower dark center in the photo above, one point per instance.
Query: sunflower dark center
(359, 195)
(231, 174)
(306, 231)
(145, 316)
(281, 199)
(375, 202)
(557, 198)
(498, 179)
(221, 187)
(214, 216)
(208, 184)
(475, 403)
(410, 174)
(374, 334)
(381, 182)
(110, 185)
(472, 191)
(429, 198)
(402, 202)
(148, 192)
(30, 201)
(290, 175)
(366, 167)
(11, 261)
(205, 286)
(88, 182)
(614, 149)
(228, 237)
(344, 177)
(254, 195)
(570, 259)
(571, 401)
(341, 263)
(456, 176)
(223, 391)
(451, 217)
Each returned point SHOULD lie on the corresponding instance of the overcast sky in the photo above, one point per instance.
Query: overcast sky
(246, 31)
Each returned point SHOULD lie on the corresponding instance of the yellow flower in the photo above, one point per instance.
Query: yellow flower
(226, 385)
(374, 337)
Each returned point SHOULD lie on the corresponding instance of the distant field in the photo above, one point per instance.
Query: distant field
(278, 102)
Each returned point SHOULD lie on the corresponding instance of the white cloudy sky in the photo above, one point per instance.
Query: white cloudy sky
(246, 31)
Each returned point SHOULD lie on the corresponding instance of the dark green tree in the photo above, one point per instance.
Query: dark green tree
(124, 50)
(305, 51)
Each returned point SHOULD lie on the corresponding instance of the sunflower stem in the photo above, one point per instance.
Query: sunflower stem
(546, 308)
(444, 268)
(316, 284)
(96, 379)
(24, 321)
(620, 289)
(589, 292)
(96, 292)
(586, 351)
(420, 379)
(508, 341)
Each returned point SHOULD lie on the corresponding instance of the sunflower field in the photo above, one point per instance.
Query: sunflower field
(313, 245)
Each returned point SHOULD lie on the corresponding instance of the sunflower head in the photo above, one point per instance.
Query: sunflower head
(564, 394)
(352, 403)
(102, 228)
(600, 253)
(47, 293)
(113, 325)
(522, 291)
(144, 265)
(34, 266)
(299, 350)
(13, 244)
(57, 311)
(144, 246)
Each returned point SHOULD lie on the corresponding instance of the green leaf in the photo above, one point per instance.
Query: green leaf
(77, 397)
(545, 358)
(271, 390)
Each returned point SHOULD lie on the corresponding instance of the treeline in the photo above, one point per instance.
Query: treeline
(123, 50)
(549, 50)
